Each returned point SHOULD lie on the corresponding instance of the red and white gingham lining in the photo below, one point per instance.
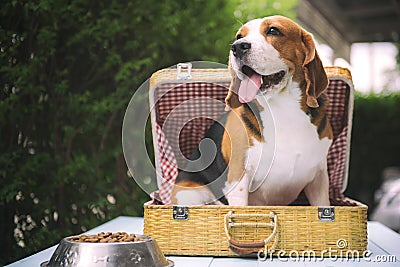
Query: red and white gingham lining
(181, 133)
(171, 95)
(169, 168)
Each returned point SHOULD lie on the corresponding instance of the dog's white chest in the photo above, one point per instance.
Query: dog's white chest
(291, 152)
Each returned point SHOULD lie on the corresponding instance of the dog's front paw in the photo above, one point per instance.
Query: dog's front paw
(237, 201)
(237, 192)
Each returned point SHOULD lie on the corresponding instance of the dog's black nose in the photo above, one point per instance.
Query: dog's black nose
(240, 48)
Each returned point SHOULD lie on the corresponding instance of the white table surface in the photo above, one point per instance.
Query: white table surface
(383, 244)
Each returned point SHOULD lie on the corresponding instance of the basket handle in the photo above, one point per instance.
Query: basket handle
(246, 248)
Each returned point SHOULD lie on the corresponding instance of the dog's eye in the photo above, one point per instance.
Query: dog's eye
(274, 32)
(239, 36)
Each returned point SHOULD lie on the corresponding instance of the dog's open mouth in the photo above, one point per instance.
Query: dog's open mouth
(267, 80)
(256, 82)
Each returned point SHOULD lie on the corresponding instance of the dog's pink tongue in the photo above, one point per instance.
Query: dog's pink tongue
(249, 88)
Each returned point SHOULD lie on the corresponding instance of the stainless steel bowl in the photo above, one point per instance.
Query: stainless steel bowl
(141, 253)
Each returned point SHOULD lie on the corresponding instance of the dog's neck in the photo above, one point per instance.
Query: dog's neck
(290, 90)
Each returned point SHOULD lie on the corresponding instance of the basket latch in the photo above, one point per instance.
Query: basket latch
(326, 214)
(180, 213)
(184, 71)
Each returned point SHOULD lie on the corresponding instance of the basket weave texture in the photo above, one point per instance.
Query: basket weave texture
(299, 229)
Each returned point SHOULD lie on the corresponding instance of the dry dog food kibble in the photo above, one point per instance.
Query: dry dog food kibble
(106, 238)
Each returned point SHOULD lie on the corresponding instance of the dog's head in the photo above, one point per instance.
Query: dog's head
(268, 54)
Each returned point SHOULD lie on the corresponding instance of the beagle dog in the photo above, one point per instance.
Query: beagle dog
(273, 142)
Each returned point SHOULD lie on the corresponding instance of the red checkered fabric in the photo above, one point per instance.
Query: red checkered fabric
(175, 103)
(183, 112)
(168, 168)
(338, 113)
(338, 92)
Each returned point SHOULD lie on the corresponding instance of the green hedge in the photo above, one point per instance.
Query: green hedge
(67, 72)
(375, 143)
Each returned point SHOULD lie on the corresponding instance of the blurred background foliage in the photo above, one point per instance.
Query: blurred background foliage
(67, 72)
(375, 143)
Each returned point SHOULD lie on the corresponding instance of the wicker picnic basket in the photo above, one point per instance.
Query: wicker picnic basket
(338, 230)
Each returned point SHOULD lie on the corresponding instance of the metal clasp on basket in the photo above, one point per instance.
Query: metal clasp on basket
(184, 71)
(180, 213)
(326, 214)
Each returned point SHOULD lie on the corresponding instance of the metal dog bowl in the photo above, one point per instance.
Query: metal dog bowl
(140, 253)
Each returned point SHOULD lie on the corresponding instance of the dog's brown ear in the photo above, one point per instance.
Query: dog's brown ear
(232, 99)
(314, 72)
